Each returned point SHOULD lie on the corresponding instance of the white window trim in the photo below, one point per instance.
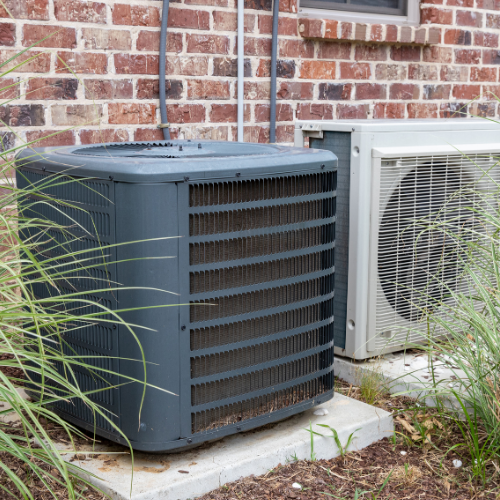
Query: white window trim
(412, 19)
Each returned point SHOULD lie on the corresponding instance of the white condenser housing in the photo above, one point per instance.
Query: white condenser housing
(391, 173)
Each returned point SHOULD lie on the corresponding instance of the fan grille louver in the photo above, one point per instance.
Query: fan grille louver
(414, 267)
(266, 342)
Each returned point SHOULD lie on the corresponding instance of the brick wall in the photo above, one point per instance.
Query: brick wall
(326, 69)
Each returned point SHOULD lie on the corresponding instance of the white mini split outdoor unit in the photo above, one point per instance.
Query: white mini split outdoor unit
(390, 174)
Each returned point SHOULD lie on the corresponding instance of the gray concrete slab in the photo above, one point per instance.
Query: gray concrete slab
(192, 473)
(410, 373)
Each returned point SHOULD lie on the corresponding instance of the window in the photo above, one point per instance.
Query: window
(365, 11)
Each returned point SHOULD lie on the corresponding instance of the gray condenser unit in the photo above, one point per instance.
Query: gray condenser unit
(251, 229)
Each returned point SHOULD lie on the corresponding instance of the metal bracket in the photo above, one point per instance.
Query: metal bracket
(313, 130)
(163, 125)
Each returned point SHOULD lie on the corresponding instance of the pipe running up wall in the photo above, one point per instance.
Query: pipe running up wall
(241, 67)
(163, 73)
(274, 53)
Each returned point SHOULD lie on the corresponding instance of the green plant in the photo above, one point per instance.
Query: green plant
(371, 384)
(34, 332)
(343, 450)
(313, 455)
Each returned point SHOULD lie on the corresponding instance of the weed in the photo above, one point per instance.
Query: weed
(342, 449)
(371, 384)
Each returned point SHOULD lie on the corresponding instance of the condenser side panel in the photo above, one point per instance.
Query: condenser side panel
(340, 144)
(147, 215)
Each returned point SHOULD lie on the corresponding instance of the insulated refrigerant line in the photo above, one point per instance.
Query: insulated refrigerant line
(274, 53)
(164, 125)
(241, 66)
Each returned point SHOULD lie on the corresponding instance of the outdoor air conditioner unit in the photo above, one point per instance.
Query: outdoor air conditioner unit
(253, 263)
(390, 174)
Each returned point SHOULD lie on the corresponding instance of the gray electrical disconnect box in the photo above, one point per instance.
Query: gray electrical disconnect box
(251, 232)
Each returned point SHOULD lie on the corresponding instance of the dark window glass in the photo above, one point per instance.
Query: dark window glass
(391, 7)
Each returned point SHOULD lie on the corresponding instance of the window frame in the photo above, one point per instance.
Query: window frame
(412, 17)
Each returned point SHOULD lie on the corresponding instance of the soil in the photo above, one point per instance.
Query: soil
(416, 465)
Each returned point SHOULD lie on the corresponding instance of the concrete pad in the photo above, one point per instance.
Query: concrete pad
(254, 452)
(408, 373)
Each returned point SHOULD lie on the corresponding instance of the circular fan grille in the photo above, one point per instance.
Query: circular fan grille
(150, 150)
(417, 265)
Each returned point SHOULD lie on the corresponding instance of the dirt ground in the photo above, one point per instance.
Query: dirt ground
(415, 465)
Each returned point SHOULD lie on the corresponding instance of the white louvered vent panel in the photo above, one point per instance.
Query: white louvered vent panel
(412, 188)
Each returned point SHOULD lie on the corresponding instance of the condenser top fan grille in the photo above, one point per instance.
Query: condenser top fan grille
(166, 161)
(418, 265)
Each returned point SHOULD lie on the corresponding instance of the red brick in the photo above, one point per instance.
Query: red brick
(404, 91)
(437, 54)
(191, 19)
(360, 32)
(82, 62)
(370, 91)
(390, 72)
(466, 91)
(51, 89)
(420, 35)
(285, 133)
(422, 72)
(211, 3)
(334, 51)
(296, 48)
(482, 109)
(419, 110)
(488, 4)
(370, 53)
(493, 21)
(335, 91)
(190, 66)
(150, 41)
(76, 115)
(391, 33)
(9, 88)
(49, 138)
(223, 113)
(207, 44)
(436, 92)
(104, 39)
(207, 89)
(63, 38)
(80, 12)
(354, 71)
(453, 110)
(489, 57)
(376, 33)
(255, 133)
(35, 10)
(349, 112)
(469, 18)
(406, 34)
(311, 28)
(436, 15)
(131, 114)
(255, 46)
(226, 66)
(295, 90)
(405, 53)
(148, 88)
(331, 29)
(257, 90)
(467, 56)
(108, 89)
(7, 34)
(459, 3)
(285, 68)
(39, 64)
(434, 35)
(454, 73)
(287, 26)
(289, 6)
(390, 110)
(263, 69)
(150, 134)
(346, 31)
(312, 111)
(136, 64)
(318, 70)
(478, 74)
(485, 39)
(136, 15)
(457, 37)
(23, 115)
(101, 136)
(491, 92)
(186, 113)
